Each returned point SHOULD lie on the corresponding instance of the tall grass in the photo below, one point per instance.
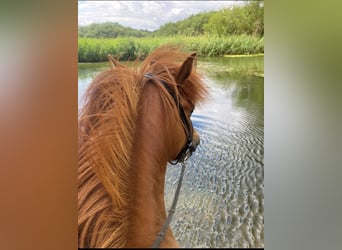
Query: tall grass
(125, 48)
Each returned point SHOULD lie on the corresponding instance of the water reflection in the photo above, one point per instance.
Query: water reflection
(221, 203)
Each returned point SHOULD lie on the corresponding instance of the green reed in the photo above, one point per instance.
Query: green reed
(126, 48)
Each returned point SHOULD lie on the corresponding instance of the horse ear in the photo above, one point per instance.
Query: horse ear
(114, 62)
(185, 69)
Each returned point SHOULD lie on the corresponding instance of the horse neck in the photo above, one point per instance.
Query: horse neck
(147, 175)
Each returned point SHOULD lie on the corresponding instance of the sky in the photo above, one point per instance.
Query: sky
(149, 15)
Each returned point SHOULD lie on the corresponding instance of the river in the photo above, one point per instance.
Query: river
(221, 203)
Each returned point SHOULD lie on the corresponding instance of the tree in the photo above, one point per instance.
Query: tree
(248, 19)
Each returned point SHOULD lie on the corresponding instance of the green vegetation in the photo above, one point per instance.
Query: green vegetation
(96, 50)
(109, 30)
(248, 20)
(233, 31)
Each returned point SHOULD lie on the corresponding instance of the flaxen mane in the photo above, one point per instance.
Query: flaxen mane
(106, 133)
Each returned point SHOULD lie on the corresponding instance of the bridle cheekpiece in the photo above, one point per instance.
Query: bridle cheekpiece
(188, 148)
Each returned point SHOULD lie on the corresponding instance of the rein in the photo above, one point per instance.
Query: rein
(183, 155)
(161, 234)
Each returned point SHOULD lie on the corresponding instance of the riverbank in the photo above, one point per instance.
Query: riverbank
(127, 48)
(249, 55)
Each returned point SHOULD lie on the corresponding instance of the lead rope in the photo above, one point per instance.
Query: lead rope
(172, 210)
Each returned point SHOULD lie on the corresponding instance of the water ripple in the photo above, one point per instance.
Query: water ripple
(222, 199)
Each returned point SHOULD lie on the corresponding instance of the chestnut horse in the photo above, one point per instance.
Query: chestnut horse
(129, 128)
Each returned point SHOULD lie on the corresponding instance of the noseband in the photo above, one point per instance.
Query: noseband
(188, 148)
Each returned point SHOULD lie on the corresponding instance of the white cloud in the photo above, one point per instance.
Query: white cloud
(148, 15)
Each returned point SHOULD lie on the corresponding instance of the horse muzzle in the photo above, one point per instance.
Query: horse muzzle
(188, 149)
(193, 145)
(195, 140)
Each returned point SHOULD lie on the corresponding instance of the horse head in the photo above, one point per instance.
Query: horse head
(185, 87)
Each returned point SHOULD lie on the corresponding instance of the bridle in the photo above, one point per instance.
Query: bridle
(188, 148)
(182, 156)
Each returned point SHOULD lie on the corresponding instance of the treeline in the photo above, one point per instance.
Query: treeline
(247, 19)
(109, 30)
(239, 20)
